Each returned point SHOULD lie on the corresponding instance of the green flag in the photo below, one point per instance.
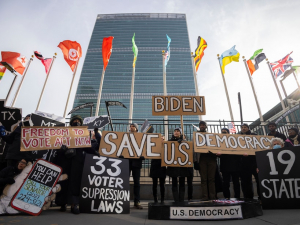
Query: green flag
(135, 50)
(256, 53)
(297, 69)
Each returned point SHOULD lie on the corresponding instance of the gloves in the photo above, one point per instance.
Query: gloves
(121, 157)
(142, 158)
(9, 180)
(2, 131)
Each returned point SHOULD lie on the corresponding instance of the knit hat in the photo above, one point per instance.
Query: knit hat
(76, 117)
(245, 124)
(294, 129)
(272, 123)
(224, 128)
(135, 125)
(178, 128)
(202, 122)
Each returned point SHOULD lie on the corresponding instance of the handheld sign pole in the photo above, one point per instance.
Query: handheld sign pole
(100, 92)
(278, 92)
(255, 97)
(65, 112)
(91, 114)
(20, 85)
(131, 95)
(38, 105)
(11, 87)
(182, 128)
(165, 94)
(195, 78)
(110, 120)
(226, 91)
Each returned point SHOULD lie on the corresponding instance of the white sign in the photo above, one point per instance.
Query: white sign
(206, 213)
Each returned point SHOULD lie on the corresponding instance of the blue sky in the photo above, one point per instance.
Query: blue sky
(250, 25)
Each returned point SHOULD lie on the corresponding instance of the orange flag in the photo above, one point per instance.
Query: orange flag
(72, 52)
(106, 50)
(14, 61)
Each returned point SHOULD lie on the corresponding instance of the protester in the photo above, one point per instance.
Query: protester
(178, 172)
(158, 172)
(72, 162)
(7, 174)
(248, 169)
(272, 128)
(97, 135)
(293, 138)
(230, 166)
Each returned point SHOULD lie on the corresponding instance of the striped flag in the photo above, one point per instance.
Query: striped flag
(2, 71)
(168, 53)
(46, 61)
(231, 127)
(199, 52)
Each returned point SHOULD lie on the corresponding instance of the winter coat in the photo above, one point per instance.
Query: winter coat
(289, 142)
(278, 135)
(178, 171)
(230, 163)
(7, 173)
(156, 170)
(248, 163)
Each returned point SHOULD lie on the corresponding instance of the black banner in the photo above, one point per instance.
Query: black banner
(86, 105)
(113, 103)
(9, 117)
(279, 177)
(93, 122)
(105, 186)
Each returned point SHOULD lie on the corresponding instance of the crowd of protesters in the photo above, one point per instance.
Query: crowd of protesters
(235, 168)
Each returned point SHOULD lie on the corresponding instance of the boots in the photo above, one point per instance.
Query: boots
(181, 196)
(155, 198)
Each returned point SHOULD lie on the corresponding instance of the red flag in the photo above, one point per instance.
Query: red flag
(46, 61)
(106, 50)
(72, 52)
(13, 61)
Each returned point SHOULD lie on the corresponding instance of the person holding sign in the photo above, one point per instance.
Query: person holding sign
(272, 128)
(294, 138)
(175, 172)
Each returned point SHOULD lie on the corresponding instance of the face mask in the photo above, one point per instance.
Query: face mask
(276, 146)
(76, 124)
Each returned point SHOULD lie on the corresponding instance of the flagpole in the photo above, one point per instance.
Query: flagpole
(255, 96)
(195, 78)
(131, 95)
(100, 92)
(66, 107)
(225, 86)
(278, 92)
(20, 85)
(38, 105)
(165, 93)
(11, 87)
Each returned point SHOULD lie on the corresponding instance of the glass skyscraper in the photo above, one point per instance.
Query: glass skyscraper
(150, 37)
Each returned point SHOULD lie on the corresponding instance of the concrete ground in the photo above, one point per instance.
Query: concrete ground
(55, 217)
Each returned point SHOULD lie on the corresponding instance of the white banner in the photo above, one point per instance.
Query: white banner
(206, 213)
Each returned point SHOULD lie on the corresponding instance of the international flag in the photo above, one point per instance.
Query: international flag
(253, 62)
(13, 61)
(46, 61)
(199, 52)
(2, 71)
(72, 52)
(228, 56)
(135, 50)
(106, 50)
(280, 66)
(167, 53)
(297, 69)
(231, 128)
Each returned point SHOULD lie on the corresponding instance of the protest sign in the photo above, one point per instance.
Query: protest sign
(147, 127)
(105, 185)
(177, 155)
(42, 138)
(279, 178)
(86, 105)
(178, 105)
(130, 145)
(96, 121)
(230, 143)
(36, 187)
(9, 117)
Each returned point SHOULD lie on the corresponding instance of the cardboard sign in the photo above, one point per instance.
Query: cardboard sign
(279, 178)
(105, 185)
(9, 117)
(130, 145)
(86, 105)
(177, 155)
(36, 187)
(178, 105)
(230, 143)
(96, 121)
(42, 138)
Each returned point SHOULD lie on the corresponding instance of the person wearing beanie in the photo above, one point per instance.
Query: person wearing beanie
(230, 166)
(178, 172)
(72, 162)
(272, 128)
(293, 138)
(248, 168)
(134, 127)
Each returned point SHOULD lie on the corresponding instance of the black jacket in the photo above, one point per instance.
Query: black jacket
(248, 162)
(278, 135)
(290, 142)
(6, 174)
(156, 170)
(230, 163)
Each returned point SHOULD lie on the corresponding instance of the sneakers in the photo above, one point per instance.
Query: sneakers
(75, 209)
(137, 205)
(63, 208)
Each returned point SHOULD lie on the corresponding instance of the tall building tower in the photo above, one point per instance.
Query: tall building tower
(150, 37)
